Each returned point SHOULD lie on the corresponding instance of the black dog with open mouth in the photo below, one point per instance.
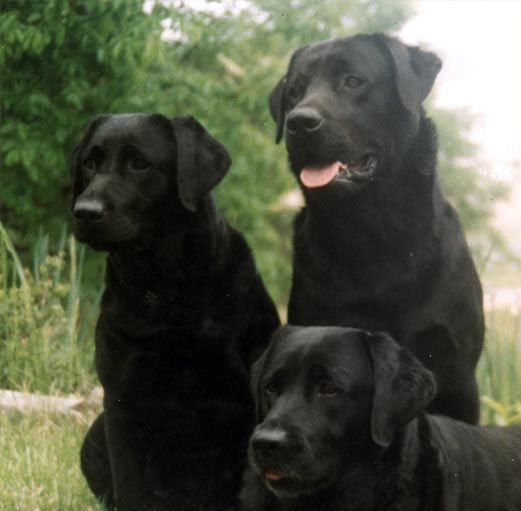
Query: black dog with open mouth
(183, 315)
(342, 427)
(377, 246)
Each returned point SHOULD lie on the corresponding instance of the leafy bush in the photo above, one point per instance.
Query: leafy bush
(41, 343)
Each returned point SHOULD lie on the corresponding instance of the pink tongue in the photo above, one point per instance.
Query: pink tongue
(273, 476)
(314, 177)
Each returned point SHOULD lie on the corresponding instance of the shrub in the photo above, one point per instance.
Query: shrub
(42, 347)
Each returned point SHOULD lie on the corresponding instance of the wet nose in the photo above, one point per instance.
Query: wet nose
(304, 120)
(266, 443)
(88, 210)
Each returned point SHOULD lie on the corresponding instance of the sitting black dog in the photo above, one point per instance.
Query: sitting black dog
(183, 315)
(378, 247)
(343, 429)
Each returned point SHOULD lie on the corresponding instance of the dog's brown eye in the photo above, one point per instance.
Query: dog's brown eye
(139, 164)
(89, 163)
(352, 82)
(293, 92)
(327, 389)
(270, 388)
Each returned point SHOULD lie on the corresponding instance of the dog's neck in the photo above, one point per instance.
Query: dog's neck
(182, 247)
(409, 475)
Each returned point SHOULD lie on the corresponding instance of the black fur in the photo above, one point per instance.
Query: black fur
(342, 427)
(378, 247)
(183, 315)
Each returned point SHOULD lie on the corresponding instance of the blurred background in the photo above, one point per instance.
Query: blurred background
(64, 61)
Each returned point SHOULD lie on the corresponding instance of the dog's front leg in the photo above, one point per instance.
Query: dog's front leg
(128, 453)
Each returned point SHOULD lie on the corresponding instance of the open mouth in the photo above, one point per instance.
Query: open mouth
(358, 170)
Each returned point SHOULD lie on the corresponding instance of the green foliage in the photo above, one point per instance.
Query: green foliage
(499, 371)
(41, 346)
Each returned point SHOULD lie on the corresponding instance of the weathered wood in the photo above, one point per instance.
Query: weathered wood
(25, 402)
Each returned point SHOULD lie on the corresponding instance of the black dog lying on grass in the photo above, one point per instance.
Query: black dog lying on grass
(343, 429)
(183, 316)
(377, 246)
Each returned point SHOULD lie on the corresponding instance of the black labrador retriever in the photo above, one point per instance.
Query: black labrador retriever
(377, 246)
(183, 315)
(342, 428)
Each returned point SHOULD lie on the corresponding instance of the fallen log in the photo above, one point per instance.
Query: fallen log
(11, 400)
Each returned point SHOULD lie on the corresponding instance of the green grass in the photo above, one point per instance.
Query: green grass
(40, 464)
(499, 370)
(46, 345)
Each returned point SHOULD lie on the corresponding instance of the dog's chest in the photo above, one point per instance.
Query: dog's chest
(196, 308)
(160, 350)
(330, 301)
(341, 285)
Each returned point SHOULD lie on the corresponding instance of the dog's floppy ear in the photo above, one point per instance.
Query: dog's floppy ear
(277, 99)
(202, 161)
(256, 372)
(278, 107)
(259, 366)
(414, 71)
(402, 387)
(74, 161)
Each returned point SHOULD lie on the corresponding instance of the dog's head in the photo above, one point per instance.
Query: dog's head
(129, 170)
(350, 108)
(329, 398)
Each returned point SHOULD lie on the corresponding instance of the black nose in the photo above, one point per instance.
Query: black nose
(88, 210)
(266, 443)
(304, 120)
